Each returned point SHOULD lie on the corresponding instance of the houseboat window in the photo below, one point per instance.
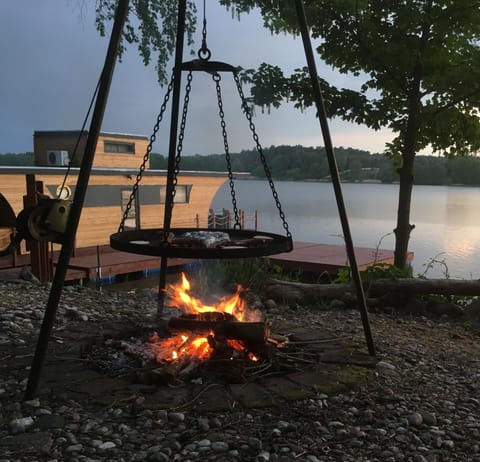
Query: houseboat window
(131, 221)
(118, 147)
(182, 194)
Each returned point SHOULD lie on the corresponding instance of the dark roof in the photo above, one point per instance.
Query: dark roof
(40, 133)
(6, 169)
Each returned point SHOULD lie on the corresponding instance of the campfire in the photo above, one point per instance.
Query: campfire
(222, 342)
(226, 335)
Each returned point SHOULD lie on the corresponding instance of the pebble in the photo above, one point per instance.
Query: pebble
(220, 446)
(422, 405)
(20, 424)
(176, 417)
(415, 419)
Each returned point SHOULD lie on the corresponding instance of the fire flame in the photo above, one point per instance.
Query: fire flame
(194, 347)
(233, 305)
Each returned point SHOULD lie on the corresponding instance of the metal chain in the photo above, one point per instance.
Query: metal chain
(181, 136)
(153, 137)
(268, 174)
(204, 53)
(217, 78)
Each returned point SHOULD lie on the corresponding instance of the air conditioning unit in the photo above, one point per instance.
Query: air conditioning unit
(57, 158)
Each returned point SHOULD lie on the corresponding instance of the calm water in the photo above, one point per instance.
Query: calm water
(447, 219)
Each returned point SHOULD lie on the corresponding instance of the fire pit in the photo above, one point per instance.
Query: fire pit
(227, 338)
(227, 343)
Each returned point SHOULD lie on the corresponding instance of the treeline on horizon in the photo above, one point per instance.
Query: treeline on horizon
(301, 163)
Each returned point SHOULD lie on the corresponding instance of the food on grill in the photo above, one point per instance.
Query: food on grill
(208, 239)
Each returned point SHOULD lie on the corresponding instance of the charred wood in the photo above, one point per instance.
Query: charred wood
(249, 332)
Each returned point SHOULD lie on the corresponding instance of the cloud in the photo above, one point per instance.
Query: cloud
(52, 57)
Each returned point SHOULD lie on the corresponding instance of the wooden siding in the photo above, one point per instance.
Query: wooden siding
(97, 223)
(117, 160)
(65, 141)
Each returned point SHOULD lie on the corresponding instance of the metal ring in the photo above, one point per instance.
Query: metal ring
(204, 54)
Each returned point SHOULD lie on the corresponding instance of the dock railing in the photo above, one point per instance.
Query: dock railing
(225, 219)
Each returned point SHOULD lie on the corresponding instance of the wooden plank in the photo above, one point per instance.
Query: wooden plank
(114, 263)
(307, 257)
(317, 258)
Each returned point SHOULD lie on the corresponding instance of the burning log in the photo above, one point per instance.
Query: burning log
(225, 336)
(248, 332)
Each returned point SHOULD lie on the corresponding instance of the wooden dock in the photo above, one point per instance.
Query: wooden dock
(106, 263)
(90, 264)
(309, 257)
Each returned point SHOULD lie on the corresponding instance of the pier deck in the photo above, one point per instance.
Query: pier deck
(310, 257)
(307, 257)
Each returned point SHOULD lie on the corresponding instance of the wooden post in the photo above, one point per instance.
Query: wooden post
(39, 255)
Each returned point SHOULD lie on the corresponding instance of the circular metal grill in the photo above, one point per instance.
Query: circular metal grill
(200, 243)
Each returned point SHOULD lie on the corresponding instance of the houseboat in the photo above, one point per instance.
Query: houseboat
(114, 172)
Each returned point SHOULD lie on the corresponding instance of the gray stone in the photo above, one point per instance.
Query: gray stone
(176, 417)
(47, 421)
(74, 448)
(21, 424)
(32, 403)
(254, 443)
(263, 456)
(415, 419)
(270, 304)
(429, 418)
(204, 443)
(26, 443)
(158, 457)
(107, 445)
(220, 446)
(376, 422)
(419, 458)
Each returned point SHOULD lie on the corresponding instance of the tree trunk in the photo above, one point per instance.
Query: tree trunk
(409, 136)
(404, 228)
(296, 292)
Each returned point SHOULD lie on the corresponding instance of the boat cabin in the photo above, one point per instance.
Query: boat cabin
(116, 165)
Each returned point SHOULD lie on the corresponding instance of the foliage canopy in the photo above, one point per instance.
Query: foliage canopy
(415, 58)
(152, 25)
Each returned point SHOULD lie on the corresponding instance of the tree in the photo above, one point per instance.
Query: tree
(152, 25)
(17, 159)
(419, 61)
(431, 170)
(465, 170)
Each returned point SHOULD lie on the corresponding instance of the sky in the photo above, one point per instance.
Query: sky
(51, 57)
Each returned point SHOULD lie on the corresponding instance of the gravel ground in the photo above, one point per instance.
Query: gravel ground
(423, 403)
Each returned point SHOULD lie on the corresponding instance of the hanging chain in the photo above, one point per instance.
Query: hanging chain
(153, 137)
(216, 78)
(268, 174)
(204, 53)
(181, 136)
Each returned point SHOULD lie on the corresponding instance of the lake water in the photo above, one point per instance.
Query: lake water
(446, 219)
